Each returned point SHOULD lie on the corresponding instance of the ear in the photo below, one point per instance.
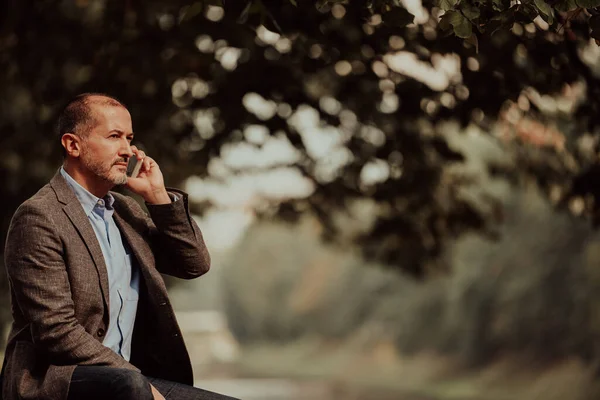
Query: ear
(71, 144)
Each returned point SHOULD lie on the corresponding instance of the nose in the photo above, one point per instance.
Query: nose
(125, 150)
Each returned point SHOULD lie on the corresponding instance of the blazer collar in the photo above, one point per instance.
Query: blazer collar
(74, 210)
(63, 191)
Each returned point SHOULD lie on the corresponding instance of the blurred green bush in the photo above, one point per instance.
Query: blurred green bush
(533, 292)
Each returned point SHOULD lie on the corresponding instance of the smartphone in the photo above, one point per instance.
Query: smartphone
(133, 166)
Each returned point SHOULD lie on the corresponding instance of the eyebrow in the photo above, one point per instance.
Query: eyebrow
(121, 132)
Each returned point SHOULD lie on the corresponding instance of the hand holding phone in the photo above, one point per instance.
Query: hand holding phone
(133, 166)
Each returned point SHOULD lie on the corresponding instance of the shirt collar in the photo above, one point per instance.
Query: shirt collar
(88, 201)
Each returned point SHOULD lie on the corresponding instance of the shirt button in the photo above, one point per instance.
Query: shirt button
(100, 332)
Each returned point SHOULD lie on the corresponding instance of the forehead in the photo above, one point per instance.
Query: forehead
(111, 116)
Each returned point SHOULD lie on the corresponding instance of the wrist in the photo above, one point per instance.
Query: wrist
(158, 197)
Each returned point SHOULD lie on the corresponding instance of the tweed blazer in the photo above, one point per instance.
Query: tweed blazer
(59, 290)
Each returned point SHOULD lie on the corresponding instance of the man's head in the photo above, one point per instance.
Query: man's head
(95, 131)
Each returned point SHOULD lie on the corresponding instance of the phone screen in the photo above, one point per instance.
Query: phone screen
(133, 166)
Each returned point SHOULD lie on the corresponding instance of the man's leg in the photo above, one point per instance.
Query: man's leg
(100, 383)
(178, 391)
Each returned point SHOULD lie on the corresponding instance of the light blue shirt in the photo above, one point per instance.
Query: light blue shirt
(123, 273)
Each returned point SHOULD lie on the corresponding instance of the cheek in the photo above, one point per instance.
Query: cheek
(100, 156)
(106, 153)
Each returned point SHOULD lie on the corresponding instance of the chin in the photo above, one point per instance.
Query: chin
(117, 179)
(121, 180)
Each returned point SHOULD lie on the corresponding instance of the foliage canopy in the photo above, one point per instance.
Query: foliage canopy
(377, 78)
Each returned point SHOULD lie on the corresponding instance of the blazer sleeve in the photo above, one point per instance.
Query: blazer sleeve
(177, 241)
(35, 263)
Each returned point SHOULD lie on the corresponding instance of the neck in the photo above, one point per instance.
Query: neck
(90, 182)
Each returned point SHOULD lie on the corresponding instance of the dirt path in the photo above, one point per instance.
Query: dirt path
(282, 389)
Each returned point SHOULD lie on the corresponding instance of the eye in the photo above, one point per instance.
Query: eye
(114, 135)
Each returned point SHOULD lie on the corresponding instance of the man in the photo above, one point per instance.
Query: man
(92, 319)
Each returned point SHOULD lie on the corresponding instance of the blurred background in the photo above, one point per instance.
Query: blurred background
(400, 197)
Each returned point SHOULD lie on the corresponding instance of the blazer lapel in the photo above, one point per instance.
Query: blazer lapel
(143, 254)
(75, 212)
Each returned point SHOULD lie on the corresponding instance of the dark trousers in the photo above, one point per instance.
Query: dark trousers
(99, 383)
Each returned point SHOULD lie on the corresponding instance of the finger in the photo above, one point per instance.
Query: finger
(148, 162)
(141, 155)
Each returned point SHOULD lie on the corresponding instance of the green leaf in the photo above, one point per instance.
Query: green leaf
(588, 3)
(444, 23)
(498, 5)
(504, 20)
(548, 18)
(398, 17)
(462, 26)
(526, 13)
(192, 11)
(320, 4)
(543, 7)
(566, 5)
(474, 41)
(243, 17)
(470, 11)
(448, 4)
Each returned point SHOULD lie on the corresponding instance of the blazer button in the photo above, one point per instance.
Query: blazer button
(100, 332)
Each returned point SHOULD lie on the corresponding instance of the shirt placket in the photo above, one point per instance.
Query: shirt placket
(106, 215)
